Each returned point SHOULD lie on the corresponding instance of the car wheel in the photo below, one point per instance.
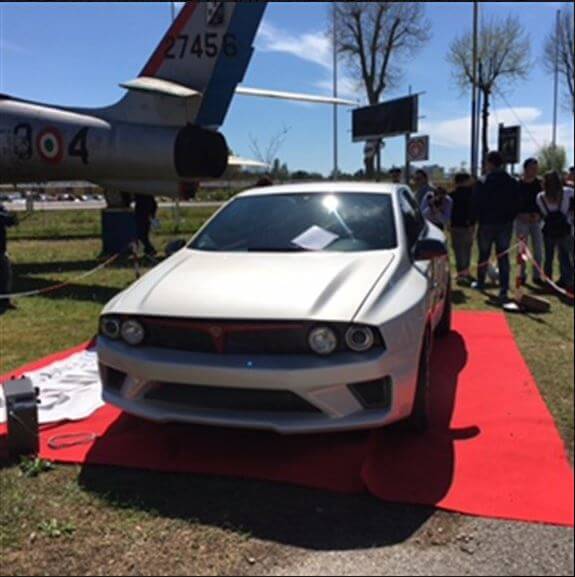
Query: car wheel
(444, 327)
(418, 422)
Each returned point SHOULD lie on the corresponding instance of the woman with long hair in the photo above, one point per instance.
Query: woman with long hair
(555, 204)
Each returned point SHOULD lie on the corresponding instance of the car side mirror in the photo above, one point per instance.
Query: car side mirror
(429, 249)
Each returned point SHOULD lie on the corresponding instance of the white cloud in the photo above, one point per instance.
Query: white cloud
(455, 134)
(313, 47)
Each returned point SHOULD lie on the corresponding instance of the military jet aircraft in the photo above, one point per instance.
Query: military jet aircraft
(163, 135)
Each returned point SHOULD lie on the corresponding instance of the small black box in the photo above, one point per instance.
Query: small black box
(22, 417)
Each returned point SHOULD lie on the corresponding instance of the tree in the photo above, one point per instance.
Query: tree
(376, 38)
(561, 43)
(552, 158)
(268, 154)
(504, 58)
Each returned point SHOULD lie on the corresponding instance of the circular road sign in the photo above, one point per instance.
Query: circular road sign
(418, 149)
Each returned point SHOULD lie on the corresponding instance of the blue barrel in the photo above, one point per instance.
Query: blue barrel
(118, 230)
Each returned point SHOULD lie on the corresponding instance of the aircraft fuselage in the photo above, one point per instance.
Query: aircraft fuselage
(39, 144)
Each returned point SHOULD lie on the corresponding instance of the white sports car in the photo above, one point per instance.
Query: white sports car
(296, 309)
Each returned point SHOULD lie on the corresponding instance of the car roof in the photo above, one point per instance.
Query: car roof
(324, 188)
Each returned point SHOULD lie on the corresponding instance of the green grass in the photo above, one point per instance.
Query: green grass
(73, 521)
(84, 224)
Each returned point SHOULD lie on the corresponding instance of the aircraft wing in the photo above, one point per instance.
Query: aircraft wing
(246, 163)
(244, 91)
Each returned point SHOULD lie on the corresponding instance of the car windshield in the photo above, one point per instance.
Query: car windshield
(344, 222)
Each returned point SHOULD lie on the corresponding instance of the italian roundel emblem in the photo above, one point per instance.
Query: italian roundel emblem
(50, 145)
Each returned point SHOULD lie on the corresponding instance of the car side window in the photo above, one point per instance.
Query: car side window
(412, 217)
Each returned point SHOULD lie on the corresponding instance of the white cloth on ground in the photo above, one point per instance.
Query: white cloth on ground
(70, 390)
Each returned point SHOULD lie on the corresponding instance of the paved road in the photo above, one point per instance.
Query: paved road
(444, 545)
(94, 205)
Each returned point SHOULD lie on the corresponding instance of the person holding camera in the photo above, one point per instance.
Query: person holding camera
(554, 203)
(6, 220)
(437, 207)
(496, 204)
(463, 226)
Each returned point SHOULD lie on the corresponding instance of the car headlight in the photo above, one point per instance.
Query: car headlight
(323, 341)
(133, 333)
(360, 339)
(110, 328)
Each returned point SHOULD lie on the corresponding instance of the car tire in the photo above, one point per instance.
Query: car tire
(444, 327)
(418, 422)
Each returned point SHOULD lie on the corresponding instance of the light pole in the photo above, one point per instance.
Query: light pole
(474, 107)
(335, 95)
(556, 89)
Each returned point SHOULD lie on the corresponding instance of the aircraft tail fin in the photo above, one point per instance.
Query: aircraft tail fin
(207, 50)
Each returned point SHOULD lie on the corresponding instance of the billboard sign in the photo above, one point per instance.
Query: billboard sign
(387, 119)
(510, 143)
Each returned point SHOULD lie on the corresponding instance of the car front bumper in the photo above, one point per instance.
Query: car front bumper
(327, 387)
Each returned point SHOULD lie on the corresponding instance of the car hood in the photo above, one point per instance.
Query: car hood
(249, 286)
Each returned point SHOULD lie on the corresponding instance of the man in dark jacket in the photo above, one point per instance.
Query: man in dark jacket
(146, 210)
(497, 203)
(529, 225)
(6, 220)
(463, 225)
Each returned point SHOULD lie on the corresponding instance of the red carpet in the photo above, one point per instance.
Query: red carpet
(493, 450)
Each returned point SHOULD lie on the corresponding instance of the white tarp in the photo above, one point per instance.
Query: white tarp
(70, 390)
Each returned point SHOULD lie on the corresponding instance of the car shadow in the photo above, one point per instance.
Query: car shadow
(277, 512)
(427, 475)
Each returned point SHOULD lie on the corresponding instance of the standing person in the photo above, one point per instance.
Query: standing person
(146, 210)
(463, 226)
(555, 202)
(265, 181)
(529, 225)
(396, 175)
(496, 205)
(6, 220)
(422, 186)
(437, 207)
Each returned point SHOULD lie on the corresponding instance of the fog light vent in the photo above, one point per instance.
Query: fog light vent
(373, 394)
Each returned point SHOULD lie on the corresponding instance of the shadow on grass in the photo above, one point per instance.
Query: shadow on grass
(79, 267)
(459, 297)
(293, 516)
(72, 292)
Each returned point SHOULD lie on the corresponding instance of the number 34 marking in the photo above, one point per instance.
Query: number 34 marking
(203, 45)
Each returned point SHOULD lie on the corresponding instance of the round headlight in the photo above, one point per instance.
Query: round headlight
(323, 341)
(360, 339)
(133, 333)
(110, 328)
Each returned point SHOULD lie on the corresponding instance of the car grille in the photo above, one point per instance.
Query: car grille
(229, 399)
(227, 337)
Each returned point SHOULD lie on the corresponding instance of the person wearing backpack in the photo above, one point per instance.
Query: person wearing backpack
(554, 203)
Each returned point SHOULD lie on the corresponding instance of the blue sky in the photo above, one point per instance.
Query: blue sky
(77, 54)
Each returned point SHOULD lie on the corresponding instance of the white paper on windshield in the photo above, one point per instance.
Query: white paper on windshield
(315, 238)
